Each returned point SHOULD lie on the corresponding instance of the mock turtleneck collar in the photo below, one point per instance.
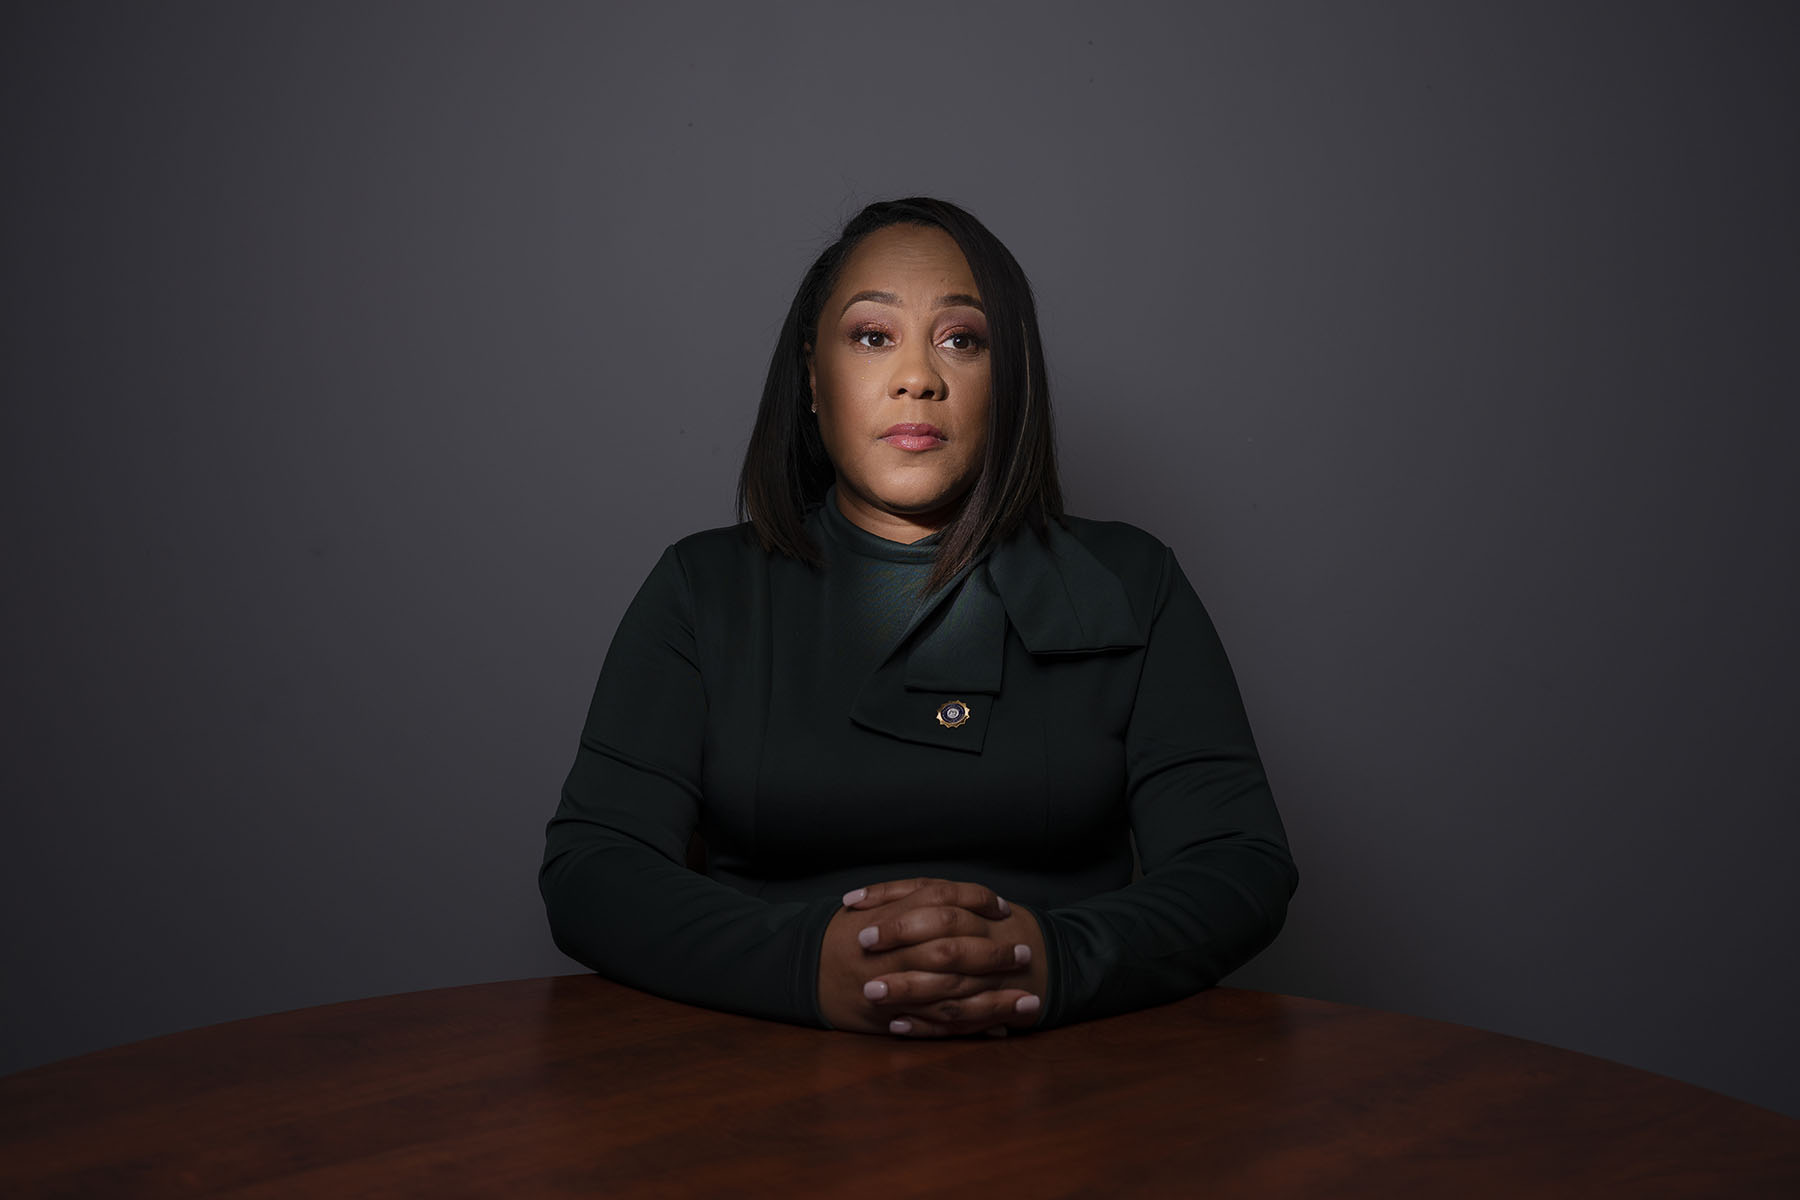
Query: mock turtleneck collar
(857, 540)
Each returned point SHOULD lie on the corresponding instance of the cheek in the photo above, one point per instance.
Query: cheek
(837, 376)
(975, 414)
(975, 449)
(839, 427)
(975, 385)
(840, 404)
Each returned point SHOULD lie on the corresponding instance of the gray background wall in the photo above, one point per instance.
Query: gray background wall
(359, 360)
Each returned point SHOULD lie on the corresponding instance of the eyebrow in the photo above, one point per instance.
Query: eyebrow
(947, 301)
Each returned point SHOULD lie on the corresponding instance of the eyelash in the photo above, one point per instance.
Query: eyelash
(979, 343)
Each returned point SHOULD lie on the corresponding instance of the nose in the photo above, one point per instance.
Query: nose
(916, 373)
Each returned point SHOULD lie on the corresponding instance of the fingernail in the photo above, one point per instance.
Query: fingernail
(868, 936)
(852, 897)
(899, 1025)
(1021, 954)
(1027, 1004)
(1005, 908)
(875, 989)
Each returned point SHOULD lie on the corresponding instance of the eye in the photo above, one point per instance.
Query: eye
(871, 337)
(961, 340)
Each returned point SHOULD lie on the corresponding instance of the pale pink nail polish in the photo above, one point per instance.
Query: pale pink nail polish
(1027, 1004)
(899, 1025)
(1005, 908)
(875, 989)
(1021, 954)
(868, 936)
(852, 897)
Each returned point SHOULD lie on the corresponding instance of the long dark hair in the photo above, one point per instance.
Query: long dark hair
(786, 470)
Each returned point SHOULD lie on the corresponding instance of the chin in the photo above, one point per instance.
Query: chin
(917, 501)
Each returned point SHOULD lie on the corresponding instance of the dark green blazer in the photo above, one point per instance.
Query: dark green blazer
(1060, 696)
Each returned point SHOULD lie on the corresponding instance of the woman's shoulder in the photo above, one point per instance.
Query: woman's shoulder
(723, 543)
(1093, 532)
(1080, 584)
(1135, 555)
(720, 555)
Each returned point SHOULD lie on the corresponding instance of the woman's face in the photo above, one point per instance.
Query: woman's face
(899, 376)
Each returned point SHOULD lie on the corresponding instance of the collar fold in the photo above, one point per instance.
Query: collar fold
(1062, 599)
(1053, 592)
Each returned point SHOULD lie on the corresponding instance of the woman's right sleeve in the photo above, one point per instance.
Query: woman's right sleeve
(620, 898)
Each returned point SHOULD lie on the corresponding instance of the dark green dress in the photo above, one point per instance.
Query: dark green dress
(827, 729)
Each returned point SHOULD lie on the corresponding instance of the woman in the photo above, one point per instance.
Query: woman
(912, 709)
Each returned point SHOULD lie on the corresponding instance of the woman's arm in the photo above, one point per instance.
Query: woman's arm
(1217, 872)
(619, 896)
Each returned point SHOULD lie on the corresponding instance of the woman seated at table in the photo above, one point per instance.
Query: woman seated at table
(914, 711)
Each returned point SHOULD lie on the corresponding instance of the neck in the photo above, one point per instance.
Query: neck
(902, 527)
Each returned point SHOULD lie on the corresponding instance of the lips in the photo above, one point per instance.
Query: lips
(912, 435)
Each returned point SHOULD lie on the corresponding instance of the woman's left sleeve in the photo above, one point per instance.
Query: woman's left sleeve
(1217, 872)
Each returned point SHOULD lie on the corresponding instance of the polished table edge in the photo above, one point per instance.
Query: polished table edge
(547, 983)
(1295, 1092)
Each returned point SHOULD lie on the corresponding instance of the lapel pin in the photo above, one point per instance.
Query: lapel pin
(952, 713)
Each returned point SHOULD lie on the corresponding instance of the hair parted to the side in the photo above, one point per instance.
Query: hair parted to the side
(786, 470)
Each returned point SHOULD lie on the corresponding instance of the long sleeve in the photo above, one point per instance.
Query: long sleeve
(619, 898)
(1217, 872)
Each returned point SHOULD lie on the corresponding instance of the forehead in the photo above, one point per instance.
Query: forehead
(901, 258)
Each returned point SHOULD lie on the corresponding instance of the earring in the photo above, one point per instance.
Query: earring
(815, 406)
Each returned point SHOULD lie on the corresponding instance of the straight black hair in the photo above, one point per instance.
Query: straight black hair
(786, 470)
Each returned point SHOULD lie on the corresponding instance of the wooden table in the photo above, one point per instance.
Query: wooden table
(577, 1086)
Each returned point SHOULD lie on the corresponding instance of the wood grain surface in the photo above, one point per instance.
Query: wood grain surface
(578, 1086)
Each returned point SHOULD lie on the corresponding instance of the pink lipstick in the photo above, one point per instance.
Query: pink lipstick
(914, 436)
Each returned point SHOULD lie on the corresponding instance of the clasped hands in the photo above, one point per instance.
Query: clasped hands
(931, 958)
